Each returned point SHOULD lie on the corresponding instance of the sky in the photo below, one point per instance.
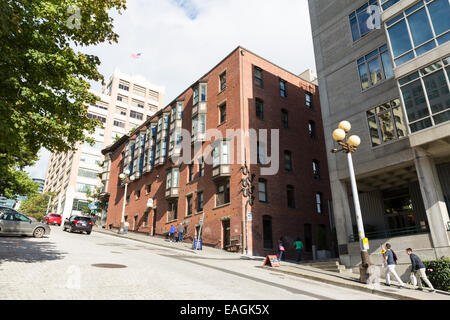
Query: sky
(181, 40)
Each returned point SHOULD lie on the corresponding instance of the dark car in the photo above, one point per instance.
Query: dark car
(15, 223)
(79, 224)
(52, 218)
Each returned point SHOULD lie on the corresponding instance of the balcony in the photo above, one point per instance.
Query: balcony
(172, 193)
(220, 172)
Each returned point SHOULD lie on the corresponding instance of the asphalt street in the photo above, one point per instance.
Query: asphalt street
(75, 266)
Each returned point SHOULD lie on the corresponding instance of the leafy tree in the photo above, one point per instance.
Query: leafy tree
(36, 206)
(15, 182)
(44, 81)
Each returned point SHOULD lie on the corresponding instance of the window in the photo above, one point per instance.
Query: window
(99, 106)
(222, 113)
(223, 81)
(386, 123)
(190, 172)
(138, 103)
(426, 95)
(138, 90)
(285, 118)
(283, 89)
(375, 67)
(290, 193)
(119, 124)
(267, 232)
(312, 129)
(419, 29)
(189, 206)
(138, 194)
(136, 115)
(259, 108)
(316, 169)
(122, 98)
(203, 92)
(221, 154)
(258, 75)
(385, 4)
(195, 96)
(84, 188)
(201, 167)
(124, 86)
(288, 161)
(93, 116)
(79, 205)
(359, 18)
(309, 100)
(173, 211)
(179, 111)
(173, 178)
(148, 188)
(262, 190)
(153, 95)
(223, 193)
(319, 205)
(90, 159)
(200, 201)
(261, 153)
(87, 173)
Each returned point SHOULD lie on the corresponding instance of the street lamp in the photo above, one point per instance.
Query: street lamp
(349, 144)
(126, 180)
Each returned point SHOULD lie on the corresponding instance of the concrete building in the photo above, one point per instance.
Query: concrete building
(384, 66)
(125, 103)
(41, 184)
(242, 92)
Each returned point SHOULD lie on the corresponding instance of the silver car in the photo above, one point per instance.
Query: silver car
(15, 223)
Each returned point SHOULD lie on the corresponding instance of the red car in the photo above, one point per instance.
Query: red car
(52, 218)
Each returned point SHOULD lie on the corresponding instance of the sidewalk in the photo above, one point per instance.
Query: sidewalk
(347, 279)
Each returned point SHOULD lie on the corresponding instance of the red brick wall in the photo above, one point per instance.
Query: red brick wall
(286, 222)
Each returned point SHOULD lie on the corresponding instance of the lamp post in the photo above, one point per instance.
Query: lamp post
(349, 144)
(126, 180)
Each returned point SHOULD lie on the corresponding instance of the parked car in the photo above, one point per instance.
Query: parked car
(52, 218)
(13, 222)
(78, 223)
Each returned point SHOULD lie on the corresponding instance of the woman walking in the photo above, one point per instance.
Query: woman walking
(281, 249)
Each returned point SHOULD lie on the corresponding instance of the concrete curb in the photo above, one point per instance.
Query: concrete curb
(344, 283)
(143, 241)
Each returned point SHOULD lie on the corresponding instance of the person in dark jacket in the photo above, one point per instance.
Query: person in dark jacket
(391, 261)
(418, 269)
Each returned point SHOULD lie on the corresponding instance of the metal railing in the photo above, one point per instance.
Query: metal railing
(390, 233)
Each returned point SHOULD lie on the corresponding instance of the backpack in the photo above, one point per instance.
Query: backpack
(395, 256)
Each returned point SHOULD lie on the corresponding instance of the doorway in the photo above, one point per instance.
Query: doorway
(226, 230)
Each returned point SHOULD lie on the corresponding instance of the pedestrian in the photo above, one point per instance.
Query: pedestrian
(180, 232)
(391, 260)
(281, 249)
(418, 270)
(172, 233)
(126, 226)
(299, 246)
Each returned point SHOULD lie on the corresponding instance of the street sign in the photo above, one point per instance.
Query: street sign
(93, 205)
(150, 203)
(201, 219)
(249, 216)
(272, 261)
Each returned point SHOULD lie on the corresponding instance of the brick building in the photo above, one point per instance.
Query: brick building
(243, 91)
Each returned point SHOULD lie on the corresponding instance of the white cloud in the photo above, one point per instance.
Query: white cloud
(181, 40)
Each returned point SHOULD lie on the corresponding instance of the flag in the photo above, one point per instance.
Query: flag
(136, 56)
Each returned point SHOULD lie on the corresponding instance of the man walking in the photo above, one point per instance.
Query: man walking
(418, 269)
(298, 247)
(180, 232)
(172, 233)
(391, 259)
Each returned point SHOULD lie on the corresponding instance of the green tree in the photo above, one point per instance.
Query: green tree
(15, 182)
(36, 206)
(44, 80)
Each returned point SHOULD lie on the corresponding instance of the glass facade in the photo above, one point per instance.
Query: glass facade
(359, 20)
(375, 67)
(386, 123)
(426, 95)
(419, 29)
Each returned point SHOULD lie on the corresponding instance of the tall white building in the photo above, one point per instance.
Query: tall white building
(125, 103)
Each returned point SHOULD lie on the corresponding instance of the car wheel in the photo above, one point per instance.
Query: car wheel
(39, 233)
(88, 232)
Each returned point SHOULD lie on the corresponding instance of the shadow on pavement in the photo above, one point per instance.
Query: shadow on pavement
(28, 250)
